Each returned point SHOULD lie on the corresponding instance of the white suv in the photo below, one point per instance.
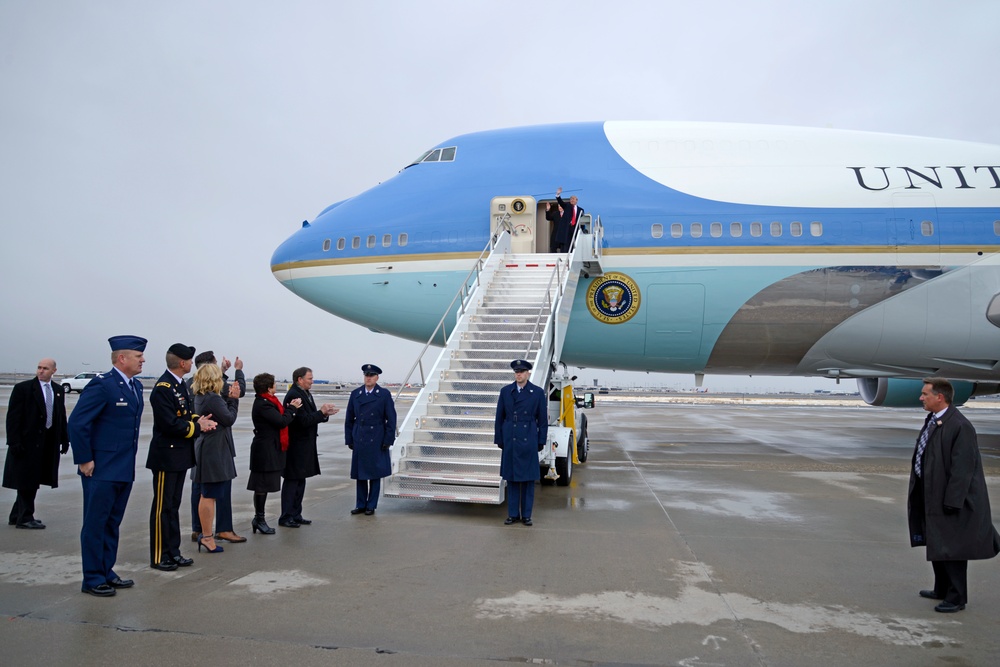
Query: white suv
(77, 382)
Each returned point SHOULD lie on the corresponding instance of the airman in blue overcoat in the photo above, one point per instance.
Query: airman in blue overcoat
(520, 430)
(370, 430)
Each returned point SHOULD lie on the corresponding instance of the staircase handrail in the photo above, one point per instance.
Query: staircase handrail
(557, 276)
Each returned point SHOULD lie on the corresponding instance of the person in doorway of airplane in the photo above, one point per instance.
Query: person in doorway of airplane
(553, 214)
(567, 223)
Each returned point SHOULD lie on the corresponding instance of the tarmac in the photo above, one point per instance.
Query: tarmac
(695, 534)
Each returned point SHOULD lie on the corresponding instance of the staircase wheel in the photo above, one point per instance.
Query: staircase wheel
(583, 446)
(564, 465)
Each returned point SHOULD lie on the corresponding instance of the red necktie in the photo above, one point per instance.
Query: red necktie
(573, 220)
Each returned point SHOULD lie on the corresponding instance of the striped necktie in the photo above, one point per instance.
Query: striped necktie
(47, 390)
(918, 463)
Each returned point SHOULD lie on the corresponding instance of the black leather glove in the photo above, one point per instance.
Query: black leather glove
(64, 449)
(541, 447)
(351, 447)
(385, 448)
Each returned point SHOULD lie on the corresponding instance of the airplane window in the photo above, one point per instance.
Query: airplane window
(816, 228)
(657, 231)
(326, 244)
(386, 240)
(403, 238)
(434, 156)
(419, 159)
(715, 229)
(341, 243)
(448, 154)
(371, 241)
(795, 228)
(696, 230)
(356, 242)
(736, 229)
(996, 227)
(756, 229)
(775, 228)
(676, 230)
(927, 228)
(993, 311)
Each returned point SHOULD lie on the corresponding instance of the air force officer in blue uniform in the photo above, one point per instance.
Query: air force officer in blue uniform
(370, 430)
(104, 434)
(520, 430)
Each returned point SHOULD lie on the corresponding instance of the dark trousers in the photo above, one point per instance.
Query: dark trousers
(520, 499)
(951, 580)
(24, 505)
(223, 508)
(368, 490)
(103, 508)
(292, 492)
(164, 515)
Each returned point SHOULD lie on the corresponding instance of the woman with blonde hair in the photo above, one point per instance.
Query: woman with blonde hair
(215, 451)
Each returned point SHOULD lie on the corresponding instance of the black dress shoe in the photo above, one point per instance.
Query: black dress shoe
(118, 582)
(183, 562)
(100, 590)
(358, 510)
(510, 521)
(526, 521)
(302, 522)
(288, 523)
(369, 512)
(32, 525)
(949, 608)
(166, 565)
(930, 595)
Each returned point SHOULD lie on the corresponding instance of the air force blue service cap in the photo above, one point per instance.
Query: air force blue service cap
(127, 343)
(181, 351)
(520, 365)
(371, 369)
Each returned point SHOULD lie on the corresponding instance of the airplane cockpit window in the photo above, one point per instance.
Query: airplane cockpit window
(341, 243)
(433, 156)
(993, 311)
(775, 228)
(756, 229)
(448, 154)
(736, 229)
(715, 229)
(816, 228)
(795, 228)
(436, 155)
(927, 228)
(696, 230)
(326, 244)
(386, 240)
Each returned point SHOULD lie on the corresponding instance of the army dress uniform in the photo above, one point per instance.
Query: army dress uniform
(171, 455)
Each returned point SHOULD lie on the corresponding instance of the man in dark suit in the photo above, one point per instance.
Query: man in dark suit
(566, 226)
(36, 435)
(302, 460)
(947, 505)
(370, 430)
(520, 430)
(171, 455)
(104, 433)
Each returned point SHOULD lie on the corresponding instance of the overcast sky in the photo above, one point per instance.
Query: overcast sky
(153, 155)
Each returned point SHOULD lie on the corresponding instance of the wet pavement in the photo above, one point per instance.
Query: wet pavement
(695, 535)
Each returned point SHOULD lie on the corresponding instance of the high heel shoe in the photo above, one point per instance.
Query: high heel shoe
(216, 550)
(260, 524)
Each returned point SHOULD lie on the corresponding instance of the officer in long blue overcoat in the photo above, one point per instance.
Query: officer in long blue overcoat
(520, 430)
(104, 434)
(370, 430)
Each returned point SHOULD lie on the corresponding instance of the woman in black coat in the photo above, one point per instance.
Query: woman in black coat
(215, 451)
(270, 442)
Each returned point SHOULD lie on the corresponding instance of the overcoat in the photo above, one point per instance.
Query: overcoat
(952, 477)
(303, 457)
(175, 426)
(104, 427)
(30, 461)
(370, 430)
(565, 228)
(520, 430)
(265, 448)
(215, 451)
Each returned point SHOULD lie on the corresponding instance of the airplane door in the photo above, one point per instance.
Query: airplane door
(914, 229)
(519, 213)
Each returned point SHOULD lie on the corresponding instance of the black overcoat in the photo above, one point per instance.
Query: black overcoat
(952, 477)
(265, 449)
(370, 429)
(302, 459)
(215, 451)
(30, 461)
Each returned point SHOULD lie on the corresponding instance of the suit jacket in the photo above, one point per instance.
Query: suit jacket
(33, 453)
(104, 427)
(302, 458)
(370, 429)
(520, 429)
(175, 426)
(953, 520)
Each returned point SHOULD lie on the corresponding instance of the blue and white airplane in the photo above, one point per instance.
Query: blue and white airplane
(738, 249)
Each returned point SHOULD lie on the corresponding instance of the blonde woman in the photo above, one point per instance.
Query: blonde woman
(214, 452)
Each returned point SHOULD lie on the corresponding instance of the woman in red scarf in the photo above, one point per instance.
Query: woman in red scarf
(270, 442)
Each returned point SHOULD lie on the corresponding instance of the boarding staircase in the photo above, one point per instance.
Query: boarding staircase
(511, 306)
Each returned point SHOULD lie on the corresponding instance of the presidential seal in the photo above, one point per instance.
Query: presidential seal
(613, 298)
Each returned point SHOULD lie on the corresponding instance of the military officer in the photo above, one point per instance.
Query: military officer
(370, 430)
(171, 455)
(104, 434)
(520, 430)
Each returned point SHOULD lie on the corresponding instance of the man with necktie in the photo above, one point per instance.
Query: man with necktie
(571, 214)
(36, 435)
(104, 434)
(369, 431)
(520, 431)
(171, 455)
(947, 505)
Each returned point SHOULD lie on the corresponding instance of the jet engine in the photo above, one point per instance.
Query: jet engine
(905, 393)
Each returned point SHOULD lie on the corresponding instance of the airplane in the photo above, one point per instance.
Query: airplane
(733, 249)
